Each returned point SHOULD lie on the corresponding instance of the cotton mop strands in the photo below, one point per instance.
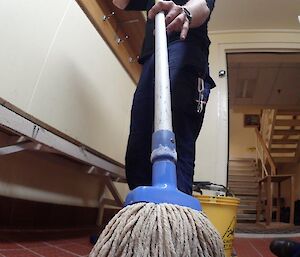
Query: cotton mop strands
(160, 221)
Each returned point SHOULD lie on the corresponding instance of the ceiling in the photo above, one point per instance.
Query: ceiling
(255, 14)
(264, 79)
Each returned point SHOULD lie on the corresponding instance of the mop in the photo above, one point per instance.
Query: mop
(159, 220)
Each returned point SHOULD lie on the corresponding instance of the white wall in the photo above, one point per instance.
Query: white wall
(55, 66)
(212, 145)
(242, 140)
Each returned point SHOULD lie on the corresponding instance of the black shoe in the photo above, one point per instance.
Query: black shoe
(94, 239)
(283, 247)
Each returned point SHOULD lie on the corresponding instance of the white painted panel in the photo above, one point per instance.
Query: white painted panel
(83, 90)
(27, 29)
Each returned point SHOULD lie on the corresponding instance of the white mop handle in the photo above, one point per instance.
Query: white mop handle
(163, 117)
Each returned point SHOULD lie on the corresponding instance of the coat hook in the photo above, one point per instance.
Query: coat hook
(107, 17)
(120, 40)
(133, 60)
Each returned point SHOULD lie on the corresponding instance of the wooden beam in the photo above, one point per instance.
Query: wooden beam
(115, 30)
(114, 191)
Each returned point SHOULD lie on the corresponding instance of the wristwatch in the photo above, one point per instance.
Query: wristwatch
(188, 14)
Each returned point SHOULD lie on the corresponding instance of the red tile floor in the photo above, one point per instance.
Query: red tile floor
(254, 247)
(43, 244)
(76, 244)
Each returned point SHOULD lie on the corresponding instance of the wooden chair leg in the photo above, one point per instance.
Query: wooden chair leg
(292, 199)
(99, 219)
(278, 202)
(269, 202)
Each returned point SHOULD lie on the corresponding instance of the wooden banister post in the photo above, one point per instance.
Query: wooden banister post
(266, 151)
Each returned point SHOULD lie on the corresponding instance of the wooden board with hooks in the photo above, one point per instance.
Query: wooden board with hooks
(122, 31)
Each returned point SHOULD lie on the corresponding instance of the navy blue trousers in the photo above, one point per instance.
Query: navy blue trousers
(187, 121)
(296, 250)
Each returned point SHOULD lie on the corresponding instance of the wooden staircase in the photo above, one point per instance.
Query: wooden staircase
(278, 141)
(243, 182)
(284, 143)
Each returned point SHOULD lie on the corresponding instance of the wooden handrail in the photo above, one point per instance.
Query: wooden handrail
(266, 150)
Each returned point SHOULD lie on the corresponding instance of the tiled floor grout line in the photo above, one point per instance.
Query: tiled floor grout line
(9, 249)
(253, 246)
(32, 251)
(80, 244)
(63, 249)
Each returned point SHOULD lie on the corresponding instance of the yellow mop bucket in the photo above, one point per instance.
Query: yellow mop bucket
(222, 212)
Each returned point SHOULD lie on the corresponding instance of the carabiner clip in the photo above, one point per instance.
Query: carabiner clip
(200, 99)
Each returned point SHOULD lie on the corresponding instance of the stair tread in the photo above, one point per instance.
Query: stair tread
(241, 159)
(243, 190)
(285, 141)
(247, 207)
(248, 198)
(286, 132)
(242, 183)
(235, 167)
(254, 187)
(242, 178)
(284, 159)
(287, 122)
(244, 194)
(288, 112)
(248, 186)
(246, 201)
(283, 150)
(246, 174)
(246, 216)
(246, 212)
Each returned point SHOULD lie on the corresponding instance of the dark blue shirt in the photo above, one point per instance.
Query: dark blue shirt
(197, 38)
